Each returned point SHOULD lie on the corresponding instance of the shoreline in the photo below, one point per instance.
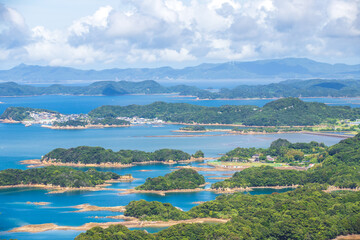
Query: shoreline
(58, 189)
(89, 208)
(217, 191)
(35, 228)
(43, 163)
(90, 126)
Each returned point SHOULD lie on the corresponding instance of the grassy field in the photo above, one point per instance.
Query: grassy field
(255, 164)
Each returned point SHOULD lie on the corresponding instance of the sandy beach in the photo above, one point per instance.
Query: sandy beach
(35, 228)
(89, 208)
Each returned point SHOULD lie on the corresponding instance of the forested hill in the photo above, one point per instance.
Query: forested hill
(287, 111)
(339, 166)
(305, 213)
(55, 176)
(180, 179)
(97, 155)
(281, 112)
(291, 88)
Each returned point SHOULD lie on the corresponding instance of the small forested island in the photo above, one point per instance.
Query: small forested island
(194, 128)
(307, 212)
(338, 166)
(282, 112)
(85, 155)
(154, 211)
(180, 179)
(55, 176)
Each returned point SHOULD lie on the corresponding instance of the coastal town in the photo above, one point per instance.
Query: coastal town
(49, 118)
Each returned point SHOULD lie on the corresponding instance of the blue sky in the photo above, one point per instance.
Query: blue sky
(152, 33)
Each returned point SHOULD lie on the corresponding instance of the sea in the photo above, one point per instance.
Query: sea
(18, 142)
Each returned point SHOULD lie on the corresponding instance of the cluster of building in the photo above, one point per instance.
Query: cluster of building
(254, 158)
(139, 121)
(48, 118)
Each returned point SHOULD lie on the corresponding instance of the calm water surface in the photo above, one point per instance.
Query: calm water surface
(19, 143)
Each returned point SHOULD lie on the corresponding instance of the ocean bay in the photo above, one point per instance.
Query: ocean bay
(18, 142)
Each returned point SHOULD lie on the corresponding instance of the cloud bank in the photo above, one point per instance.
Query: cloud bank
(174, 32)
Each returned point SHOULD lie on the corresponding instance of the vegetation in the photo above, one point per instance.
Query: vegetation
(339, 167)
(180, 179)
(97, 155)
(198, 154)
(154, 211)
(21, 113)
(193, 128)
(305, 213)
(282, 112)
(287, 111)
(262, 176)
(56, 176)
(282, 151)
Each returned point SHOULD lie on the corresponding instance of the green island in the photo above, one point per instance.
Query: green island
(305, 213)
(154, 211)
(180, 179)
(291, 88)
(98, 155)
(338, 166)
(56, 176)
(193, 128)
(282, 112)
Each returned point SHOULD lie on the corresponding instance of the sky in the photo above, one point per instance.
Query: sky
(99, 34)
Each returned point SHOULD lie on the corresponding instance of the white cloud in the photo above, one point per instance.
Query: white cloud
(173, 31)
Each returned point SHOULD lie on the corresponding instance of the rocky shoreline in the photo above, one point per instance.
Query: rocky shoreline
(52, 162)
(58, 189)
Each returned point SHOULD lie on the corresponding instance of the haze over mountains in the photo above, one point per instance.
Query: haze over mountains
(288, 68)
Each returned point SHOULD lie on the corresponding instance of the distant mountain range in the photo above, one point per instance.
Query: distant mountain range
(288, 68)
(289, 88)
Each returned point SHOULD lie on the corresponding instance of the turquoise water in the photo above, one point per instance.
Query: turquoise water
(19, 143)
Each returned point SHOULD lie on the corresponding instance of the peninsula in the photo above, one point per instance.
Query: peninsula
(282, 112)
(59, 179)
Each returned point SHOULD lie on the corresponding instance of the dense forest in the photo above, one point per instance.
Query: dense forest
(282, 150)
(194, 128)
(56, 176)
(97, 155)
(339, 167)
(154, 211)
(180, 179)
(290, 88)
(282, 112)
(286, 111)
(305, 213)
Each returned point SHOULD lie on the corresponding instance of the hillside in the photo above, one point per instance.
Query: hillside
(286, 111)
(272, 68)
